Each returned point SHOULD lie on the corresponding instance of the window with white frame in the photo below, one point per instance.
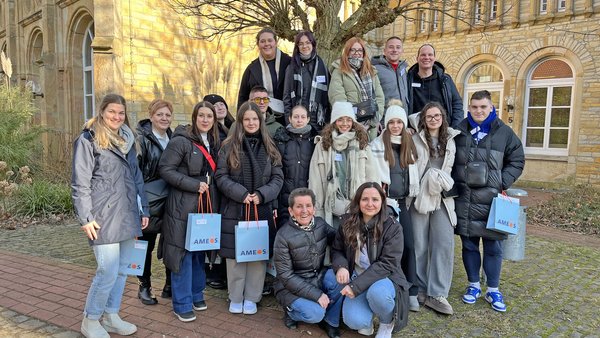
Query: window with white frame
(548, 108)
(561, 5)
(493, 9)
(543, 6)
(435, 21)
(88, 73)
(477, 11)
(485, 76)
(422, 20)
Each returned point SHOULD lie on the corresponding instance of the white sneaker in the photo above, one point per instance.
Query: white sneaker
(113, 323)
(367, 331)
(413, 304)
(385, 330)
(92, 329)
(249, 307)
(235, 307)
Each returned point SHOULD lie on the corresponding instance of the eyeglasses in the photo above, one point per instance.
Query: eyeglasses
(261, 100)
(356, 51)
(430, 118)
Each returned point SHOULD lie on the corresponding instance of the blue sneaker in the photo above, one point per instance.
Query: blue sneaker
(471, 295)
(496, 300)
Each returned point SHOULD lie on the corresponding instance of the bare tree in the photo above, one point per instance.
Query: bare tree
(215, 19)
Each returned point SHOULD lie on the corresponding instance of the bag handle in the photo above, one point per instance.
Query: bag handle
(209, 208)
(248, 213)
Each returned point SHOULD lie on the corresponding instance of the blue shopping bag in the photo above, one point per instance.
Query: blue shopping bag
(504, 214)
(134, 254)
(251, 239)
(271, 268)
(203, 231)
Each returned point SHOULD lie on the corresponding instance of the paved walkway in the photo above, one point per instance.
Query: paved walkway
(45, 272)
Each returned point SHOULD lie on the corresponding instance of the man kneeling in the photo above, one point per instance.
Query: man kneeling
(307, 291)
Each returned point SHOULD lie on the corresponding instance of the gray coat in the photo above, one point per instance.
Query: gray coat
(393, 82)
(105, 186)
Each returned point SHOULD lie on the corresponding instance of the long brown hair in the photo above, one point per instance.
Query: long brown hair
(214, 130)
(103, 135)
(366, 68)
(408, 151)
(235, 138)
(354, 224)
(443, 133)
(361, 135)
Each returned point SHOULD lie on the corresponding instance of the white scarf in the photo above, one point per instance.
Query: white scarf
(266, 73)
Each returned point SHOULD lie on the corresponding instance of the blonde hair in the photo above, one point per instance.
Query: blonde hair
(104, 137)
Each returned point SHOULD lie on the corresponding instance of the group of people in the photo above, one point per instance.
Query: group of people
(363, 175)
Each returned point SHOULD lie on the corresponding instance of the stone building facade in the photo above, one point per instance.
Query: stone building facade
(540, 59)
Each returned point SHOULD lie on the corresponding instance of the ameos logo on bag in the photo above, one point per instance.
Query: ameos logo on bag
(211, 240)
(254, 252)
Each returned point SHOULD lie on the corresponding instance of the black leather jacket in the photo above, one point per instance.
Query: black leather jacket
(151, 150)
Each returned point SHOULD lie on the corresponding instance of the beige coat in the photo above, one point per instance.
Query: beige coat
(322, 163)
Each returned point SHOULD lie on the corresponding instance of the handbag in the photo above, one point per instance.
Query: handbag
(339, 206)
(251, 239)
(157, 192)
(366, 110)
(504, 214)
(203, 230)
(476, 172)
(133, 253)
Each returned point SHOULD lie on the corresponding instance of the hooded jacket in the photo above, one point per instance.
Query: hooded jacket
(105, 185)
(184, 167)
(452, 100)
(505, 164)
(393, 82)
(299, 256)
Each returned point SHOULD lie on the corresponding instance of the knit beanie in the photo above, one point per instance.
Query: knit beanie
(214, 98)
(340, 109)
(395, 112)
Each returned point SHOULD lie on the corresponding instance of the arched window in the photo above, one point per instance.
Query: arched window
(88, 73)
(548, 107)
(485, 76)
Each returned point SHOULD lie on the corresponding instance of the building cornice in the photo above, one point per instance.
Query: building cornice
(65, 3)
(31, 19)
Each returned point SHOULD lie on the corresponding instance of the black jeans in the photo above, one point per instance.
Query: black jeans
(408, 262)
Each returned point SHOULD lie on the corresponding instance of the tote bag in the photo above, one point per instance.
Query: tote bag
(504, 214)
(134, 254)
(203, 231)
(251, 239)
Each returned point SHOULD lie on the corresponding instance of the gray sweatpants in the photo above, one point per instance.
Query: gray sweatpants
(434, 251)
(245, 280)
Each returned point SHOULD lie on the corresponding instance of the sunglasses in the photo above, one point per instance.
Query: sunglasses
(260, 100)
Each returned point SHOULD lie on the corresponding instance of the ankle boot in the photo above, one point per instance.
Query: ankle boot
(146, 296)
(113, 323)
(92, 329)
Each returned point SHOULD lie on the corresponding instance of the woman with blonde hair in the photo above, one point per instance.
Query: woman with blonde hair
(106, 183)
(354, 79)
(341, 162)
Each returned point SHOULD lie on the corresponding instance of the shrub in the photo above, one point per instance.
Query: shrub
(43, 198)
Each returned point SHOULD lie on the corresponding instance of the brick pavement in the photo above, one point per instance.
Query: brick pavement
(49, 296)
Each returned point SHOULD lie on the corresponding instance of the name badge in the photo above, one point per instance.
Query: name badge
(321, 79)
(338, 157)
(416, 85)
(402, 71)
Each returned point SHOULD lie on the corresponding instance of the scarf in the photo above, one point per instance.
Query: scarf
(317, 98)
(383, 167)
(480, 131)
(123, 140)
(308, 227)
(341, 141)
(433, 183)
(299, 131)
(365, 85)
(254, 160)
(266, 73)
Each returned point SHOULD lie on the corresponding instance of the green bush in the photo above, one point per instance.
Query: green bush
(19, 138)
(43, 198)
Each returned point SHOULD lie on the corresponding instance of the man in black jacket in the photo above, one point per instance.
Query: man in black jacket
(302, 287)
(489, 159)
(428, 81)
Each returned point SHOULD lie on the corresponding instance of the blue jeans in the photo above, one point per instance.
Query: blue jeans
(307, 311)
(107, 287)
(492, 259)
(189, 283)
(378, 300)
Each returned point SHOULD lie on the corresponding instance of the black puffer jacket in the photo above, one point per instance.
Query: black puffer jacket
(452, 100)
(183, 166)
(150, 150)
(505, 165)
(296, 151)
(389, 248)
(298, 257)
(233, 193)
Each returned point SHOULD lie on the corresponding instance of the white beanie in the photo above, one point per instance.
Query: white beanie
(395, 112)
(341, 109)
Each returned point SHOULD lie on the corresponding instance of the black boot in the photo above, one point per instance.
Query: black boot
(289, 322)
(166, 292)
(332, 332)
(145, 292)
